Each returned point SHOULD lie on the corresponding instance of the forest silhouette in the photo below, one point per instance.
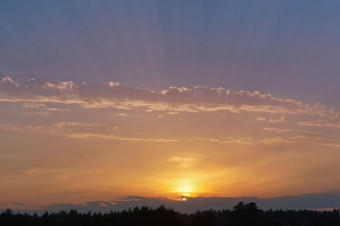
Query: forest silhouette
(241, 214)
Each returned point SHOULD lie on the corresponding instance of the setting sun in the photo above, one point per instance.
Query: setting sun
(186, 192)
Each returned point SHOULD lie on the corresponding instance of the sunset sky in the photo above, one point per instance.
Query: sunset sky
(105, 100)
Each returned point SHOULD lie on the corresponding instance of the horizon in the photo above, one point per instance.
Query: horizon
(317, 202)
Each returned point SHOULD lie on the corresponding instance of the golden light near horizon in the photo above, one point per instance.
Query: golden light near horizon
(186, 193)
(186, 189)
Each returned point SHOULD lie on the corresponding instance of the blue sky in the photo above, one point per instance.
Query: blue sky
(287, 48)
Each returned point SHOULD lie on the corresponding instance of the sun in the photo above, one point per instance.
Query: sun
(185, 193)
(183, 189)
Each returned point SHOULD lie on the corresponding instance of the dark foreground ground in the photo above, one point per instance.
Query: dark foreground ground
(242, 214)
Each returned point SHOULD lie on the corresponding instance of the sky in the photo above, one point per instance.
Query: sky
(105, 102)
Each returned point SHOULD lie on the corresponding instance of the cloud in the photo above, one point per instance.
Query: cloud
(271, 120)
(64, 124)
(122, 114)
(99, 105)
(37, 86)
(278, 130)
(173, 99)
(115, 137)
(33, 105)
(96, 103)
(319, 123)
(35, 171)
(281, 119)
(8, 85)
(223, 140)
(183, 162)
(191, 205)
(57, 173)
(292, 140)
(113, 84)
(299, 140)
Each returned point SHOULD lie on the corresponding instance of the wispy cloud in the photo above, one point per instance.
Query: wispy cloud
(278, 130)
(64, 123)
(174, 99)
(320, 123)
(223, 140)
(115, 137)
(183, 162)
(291, 140)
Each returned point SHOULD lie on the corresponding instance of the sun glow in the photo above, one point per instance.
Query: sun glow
(185, 193)
(184, 188)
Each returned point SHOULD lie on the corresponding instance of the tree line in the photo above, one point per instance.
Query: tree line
(241, 214)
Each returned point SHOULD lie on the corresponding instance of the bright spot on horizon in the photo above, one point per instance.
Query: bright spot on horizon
(186, 192)
(184, 199)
